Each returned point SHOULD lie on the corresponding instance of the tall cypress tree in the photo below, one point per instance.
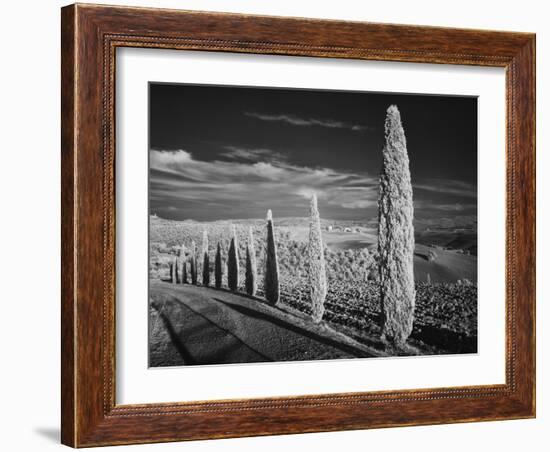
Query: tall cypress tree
(176, 270)
(218, 270)
(205, 260)
(172, 271)
(183, 265)
(193, 263)
(184, 271)
(251, 283)
(233, 262)
(396, 235)
(317, 272)
(271, 282)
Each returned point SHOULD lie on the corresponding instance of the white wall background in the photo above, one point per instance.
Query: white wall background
(30, 269)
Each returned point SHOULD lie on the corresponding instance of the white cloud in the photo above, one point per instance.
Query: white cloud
(307, 122)
(446, 207)
(359, 204)
(251, 180)
(235, 152)
(178, 176)
(449, 187)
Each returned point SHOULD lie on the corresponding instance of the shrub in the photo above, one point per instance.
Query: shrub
(271, 282)
(396, 235)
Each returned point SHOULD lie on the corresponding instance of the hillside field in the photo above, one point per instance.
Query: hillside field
(349, 255)
(446, 299)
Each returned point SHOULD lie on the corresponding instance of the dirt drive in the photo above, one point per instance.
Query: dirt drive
(198, 325)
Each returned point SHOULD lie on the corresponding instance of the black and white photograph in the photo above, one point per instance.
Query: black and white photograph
(301, 225)
(275, 226)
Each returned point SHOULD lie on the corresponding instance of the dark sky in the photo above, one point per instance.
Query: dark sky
(233, 152)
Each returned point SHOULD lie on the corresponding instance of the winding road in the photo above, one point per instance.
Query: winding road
(195, 325)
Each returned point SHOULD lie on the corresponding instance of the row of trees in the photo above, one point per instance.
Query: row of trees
(183, 270)
(395, 247)
(180, 274)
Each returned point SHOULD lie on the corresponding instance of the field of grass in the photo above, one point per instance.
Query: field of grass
(446, 306)
(354, 264)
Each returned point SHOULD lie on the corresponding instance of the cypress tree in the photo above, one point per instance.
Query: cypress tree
(396, 235)
(271, 282)
(193, 263)
(218, 272)
(171, 269)
(205, 260)
(251, 282)
(183, 265)
(317, 273)
(176, 272)
(184, 271)
(233, 262)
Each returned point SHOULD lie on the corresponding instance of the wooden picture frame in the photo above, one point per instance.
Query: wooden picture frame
(90, 36)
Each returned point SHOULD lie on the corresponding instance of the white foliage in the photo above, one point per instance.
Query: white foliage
(317, 272)
(396, 234)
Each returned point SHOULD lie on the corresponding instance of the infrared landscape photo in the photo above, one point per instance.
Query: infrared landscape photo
(298, 225)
